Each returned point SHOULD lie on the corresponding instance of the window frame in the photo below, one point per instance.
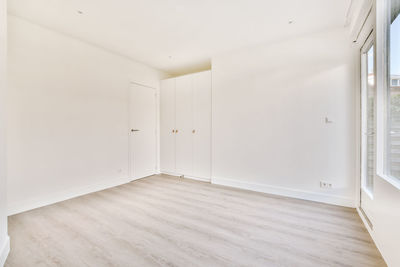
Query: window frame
(366, 47)
(382, 86)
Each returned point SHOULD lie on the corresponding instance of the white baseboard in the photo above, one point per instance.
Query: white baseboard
(366, 224)
(170, 173)
(4, 250)
(197, 178)
(202, 179)
(370, 231)
(29, 204)
(287, 192)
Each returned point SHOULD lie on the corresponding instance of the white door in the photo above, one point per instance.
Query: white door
(167, 126)
(142, 117)
(368, 124)
(202, 125)
(184, 125)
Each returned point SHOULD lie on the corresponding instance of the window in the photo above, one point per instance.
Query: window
(368, 99)
(393, 103)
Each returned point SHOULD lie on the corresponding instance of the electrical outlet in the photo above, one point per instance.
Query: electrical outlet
(324, 184)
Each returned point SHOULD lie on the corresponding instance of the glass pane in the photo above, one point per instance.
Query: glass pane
(370, 105)
(393, 151)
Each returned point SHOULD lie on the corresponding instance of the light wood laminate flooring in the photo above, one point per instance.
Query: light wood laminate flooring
(168, 221)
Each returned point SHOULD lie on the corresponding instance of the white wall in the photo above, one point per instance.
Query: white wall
(269, 109)
(68, 116)
(385, 219)
(4, 240)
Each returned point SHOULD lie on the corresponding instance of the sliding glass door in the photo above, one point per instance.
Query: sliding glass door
(368, 111)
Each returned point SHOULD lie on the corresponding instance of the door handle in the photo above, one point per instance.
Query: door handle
(135, 130)
(176, 131)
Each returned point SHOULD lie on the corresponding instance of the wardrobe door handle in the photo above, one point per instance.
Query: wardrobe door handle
(176, 131)
(173, 131)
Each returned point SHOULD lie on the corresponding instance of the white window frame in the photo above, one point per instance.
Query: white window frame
(382, 83)
(370, 42)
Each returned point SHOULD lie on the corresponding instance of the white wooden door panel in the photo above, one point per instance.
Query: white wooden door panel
(142, 107)
(184, 125)
(202, 125)
(167, 126)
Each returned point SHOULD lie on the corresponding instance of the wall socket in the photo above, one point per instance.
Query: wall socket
(324, 184)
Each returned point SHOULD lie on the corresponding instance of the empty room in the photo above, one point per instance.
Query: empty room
(200, 133)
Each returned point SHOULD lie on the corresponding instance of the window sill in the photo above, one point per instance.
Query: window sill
(391, 180)
(368, 192)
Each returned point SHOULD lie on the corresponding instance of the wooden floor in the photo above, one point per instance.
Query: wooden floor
(166, 221)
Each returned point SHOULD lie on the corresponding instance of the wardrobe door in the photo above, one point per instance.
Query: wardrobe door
(184, 125)
(202, 125)
(167, 126)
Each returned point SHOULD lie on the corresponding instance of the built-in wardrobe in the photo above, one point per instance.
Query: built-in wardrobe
(185, 126)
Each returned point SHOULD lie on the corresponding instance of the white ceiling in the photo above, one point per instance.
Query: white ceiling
(180, 36)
